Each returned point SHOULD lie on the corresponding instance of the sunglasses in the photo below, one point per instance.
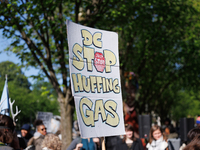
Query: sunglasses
(44, 129)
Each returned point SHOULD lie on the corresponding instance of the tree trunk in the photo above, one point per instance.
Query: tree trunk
(66, 122)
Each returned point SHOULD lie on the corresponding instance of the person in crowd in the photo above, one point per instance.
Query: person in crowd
(84, 143)
(88, 144)
(194, 144)
(198, 121)
(25, 135)
(191, 135)
(7, 134)
(75, 130)
(38, 136)
(111, 142)
(130, 116)
(129, 142)
(51, 141)
(156, 139)
(169, 129)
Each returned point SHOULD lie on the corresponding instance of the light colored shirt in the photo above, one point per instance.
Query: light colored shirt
(160, 144)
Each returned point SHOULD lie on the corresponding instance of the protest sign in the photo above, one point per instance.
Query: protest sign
(95, 80)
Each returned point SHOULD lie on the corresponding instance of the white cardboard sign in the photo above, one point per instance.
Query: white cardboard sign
(46, 118)
(95, 80)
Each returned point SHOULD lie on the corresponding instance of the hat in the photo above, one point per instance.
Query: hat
(198, 120)
(26, 127)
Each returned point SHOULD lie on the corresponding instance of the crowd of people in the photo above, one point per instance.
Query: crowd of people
(41, 140)
(159, 139)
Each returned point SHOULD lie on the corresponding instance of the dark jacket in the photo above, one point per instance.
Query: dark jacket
(137, 145)
(24, 140)
(111, 142)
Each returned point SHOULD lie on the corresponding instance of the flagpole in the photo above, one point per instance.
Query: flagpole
(7, 95)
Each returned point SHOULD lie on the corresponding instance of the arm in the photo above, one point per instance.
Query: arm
(97, 143)
(73, 144)
(78, 146)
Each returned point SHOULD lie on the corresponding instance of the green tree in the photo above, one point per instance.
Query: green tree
(28, 101)
(158, 41)
(187, 105)
(11, 70)
(39, 38)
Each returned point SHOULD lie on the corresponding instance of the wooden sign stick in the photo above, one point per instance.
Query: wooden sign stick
(103, 143)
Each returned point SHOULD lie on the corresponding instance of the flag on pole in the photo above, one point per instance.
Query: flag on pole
(5, 107)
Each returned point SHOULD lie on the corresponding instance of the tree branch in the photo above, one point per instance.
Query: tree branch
(52, 78)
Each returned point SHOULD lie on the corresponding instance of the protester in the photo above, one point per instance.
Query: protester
(38, 136)
(129, 142)
(156, 139)
(51, 141)
(193, 133)
(78, 146)
(111, 142)
(194, 144)
(83, 143)
(75, 130)
(198, 121)
(169, 129)
(130, 117)
(7, 134)
(25, 135)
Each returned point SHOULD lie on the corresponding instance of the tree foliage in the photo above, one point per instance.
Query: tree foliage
(28, 101)
(158, 41)
(187, 104)
(38, 31)
(14, 74)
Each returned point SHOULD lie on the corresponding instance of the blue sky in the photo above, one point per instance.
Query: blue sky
(11, 57)
(4, 56)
